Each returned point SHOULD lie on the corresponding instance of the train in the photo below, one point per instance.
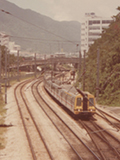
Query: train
(77, 102)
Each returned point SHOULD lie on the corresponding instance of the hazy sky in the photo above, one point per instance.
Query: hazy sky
(70, 9)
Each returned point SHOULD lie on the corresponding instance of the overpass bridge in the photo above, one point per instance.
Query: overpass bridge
(30, 65)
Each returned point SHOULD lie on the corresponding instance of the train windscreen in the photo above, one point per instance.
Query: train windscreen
(91, 102)
(78, 101)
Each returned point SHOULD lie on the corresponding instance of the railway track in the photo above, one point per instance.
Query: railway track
(106, 139)
(81, 150)
(34, 131)
(113, 121)
(51, 135)
(33, 134)
(107, 144)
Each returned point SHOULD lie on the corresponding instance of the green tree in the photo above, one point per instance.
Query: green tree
(109, 46)
(12, 58)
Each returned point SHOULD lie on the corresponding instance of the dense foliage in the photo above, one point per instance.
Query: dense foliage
(10, 57)
(109, 49)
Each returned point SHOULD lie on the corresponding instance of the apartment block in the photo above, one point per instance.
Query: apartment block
(4, 39)
(91, 29)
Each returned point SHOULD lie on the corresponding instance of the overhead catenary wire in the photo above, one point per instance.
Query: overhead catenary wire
(41, 40)
(56, 35)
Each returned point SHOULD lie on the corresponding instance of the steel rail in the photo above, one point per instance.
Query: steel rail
(64, 124)
(104, 114)
(49, 153)
(98, 127)
(90, 132)
(23, 122)
(57, 128)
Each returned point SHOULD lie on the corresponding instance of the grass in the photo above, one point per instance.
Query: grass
(113, 100)
(2, 119)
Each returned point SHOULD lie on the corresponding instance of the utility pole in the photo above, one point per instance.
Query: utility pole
(8, 64)
(35, 66)
(51, 67)
(97, 80)
(8, 67)
(84, 69)
(80, 60)
(18, 78)
(0, 70)
(58, 46)
(5, 76)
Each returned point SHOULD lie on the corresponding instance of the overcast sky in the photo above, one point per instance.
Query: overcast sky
(70, 9)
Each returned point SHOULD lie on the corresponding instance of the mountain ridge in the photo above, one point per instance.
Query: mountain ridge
(36, 25)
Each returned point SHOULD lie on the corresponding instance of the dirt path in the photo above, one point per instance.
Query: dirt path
(16, 144)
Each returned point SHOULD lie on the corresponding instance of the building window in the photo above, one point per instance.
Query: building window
(92, 39)
(106, 21)
(94, 28)
(94, 22)
(94, 34)
(90, 23)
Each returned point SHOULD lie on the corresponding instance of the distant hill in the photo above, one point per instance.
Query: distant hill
(42, 33)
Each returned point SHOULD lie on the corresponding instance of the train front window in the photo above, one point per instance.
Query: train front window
(91, 102)
(78, 101)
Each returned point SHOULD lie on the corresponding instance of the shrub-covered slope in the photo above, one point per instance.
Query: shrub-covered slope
(109, 49)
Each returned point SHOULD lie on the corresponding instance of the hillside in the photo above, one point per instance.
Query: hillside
(40, 31)
(109, 49)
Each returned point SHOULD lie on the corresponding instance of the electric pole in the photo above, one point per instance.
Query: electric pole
(5, 76)
(80, 57)
(35, 66)
(84, 69)
(8, 67)
(0, 70)
(18, 66)
(97, 80)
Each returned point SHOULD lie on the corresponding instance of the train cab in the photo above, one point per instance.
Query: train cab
(91, 104)
(78, 104)
(84, 105)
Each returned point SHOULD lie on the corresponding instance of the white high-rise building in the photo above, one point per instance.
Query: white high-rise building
(4, 39)
(11, 46)
(91, 29)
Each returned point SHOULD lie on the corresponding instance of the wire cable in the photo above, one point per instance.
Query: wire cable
(6, 12)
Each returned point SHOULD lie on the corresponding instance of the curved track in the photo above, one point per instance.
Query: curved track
(51, 135)
(65, 129)
(33, 134)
